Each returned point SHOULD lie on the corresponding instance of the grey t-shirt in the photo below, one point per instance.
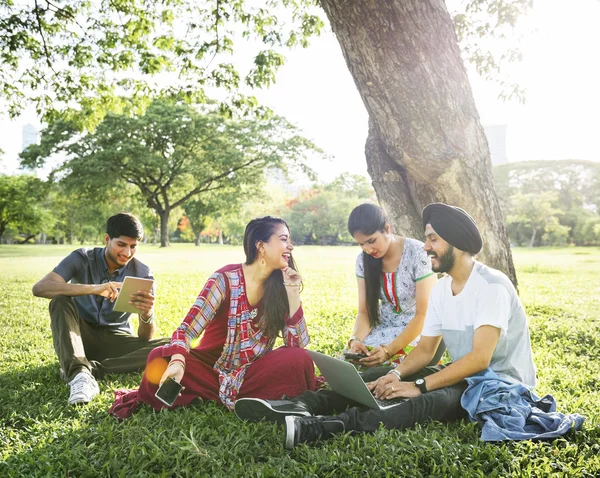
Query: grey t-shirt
(488, 298)
(88, 266)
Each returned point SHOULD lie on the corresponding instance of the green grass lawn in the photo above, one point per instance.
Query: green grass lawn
(41, 435)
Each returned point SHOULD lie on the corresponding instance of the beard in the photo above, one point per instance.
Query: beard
(446, 260)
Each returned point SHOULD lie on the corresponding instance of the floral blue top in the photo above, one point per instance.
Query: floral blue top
(398, 292)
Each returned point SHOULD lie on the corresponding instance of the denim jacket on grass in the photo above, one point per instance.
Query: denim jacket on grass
(509, 411)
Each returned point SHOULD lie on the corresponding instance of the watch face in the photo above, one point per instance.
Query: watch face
(420, 381)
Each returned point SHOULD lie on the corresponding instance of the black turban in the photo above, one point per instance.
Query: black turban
(453, 225)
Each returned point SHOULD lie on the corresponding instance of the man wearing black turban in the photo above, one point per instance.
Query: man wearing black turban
(453, 225)
(474, 308)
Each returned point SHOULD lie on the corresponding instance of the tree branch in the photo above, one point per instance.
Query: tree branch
(209, 181)
(37, 11)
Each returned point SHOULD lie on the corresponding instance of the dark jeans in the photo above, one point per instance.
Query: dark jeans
(100, 350)
(440, 405)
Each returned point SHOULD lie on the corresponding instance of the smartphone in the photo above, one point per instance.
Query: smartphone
(168, 391)
(354, 356)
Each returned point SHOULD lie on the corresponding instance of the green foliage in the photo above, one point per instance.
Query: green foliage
(42, 436)
(198, 212)
(557, 197)
(320, 215)
(536, 212)
(19, 209)
(486, 31)
(171, 154)
(94, 54)
(79, 218)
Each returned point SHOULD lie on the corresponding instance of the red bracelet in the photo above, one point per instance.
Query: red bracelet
(177, 360)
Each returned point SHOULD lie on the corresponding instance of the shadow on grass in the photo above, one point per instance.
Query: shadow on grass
(34, 394)
(29, 392)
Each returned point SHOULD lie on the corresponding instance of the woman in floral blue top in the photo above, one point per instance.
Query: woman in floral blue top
(394, 281)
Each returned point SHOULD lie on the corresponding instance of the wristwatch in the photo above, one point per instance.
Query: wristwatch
(421, 385)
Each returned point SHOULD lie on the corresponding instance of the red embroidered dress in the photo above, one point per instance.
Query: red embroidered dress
(244, 341)
(226, 351)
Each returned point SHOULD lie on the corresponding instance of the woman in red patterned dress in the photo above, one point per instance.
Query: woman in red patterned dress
(223, 350)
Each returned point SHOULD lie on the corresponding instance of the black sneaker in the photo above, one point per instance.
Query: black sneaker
(256, 409)
(308, 429)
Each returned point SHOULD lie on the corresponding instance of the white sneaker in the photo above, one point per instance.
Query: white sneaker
(83, 388)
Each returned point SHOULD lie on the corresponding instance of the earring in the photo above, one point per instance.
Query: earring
(262, 263)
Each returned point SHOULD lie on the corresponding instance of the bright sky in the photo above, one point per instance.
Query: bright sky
(560, 71)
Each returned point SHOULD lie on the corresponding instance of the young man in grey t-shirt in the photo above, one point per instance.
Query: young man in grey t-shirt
(477, 312)
(90, 337)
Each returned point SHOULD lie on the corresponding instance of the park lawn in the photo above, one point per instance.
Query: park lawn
(41, 435)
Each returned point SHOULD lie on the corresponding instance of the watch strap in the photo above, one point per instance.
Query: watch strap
(421, 385)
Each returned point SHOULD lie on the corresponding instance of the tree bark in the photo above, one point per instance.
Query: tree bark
(164, 227)
(425, 143)
(532, 240)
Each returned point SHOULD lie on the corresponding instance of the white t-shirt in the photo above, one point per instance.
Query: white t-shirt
(488, 298)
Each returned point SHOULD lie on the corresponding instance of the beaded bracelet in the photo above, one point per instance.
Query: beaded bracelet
(352, 339)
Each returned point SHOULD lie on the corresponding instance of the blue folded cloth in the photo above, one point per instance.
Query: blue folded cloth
(507, 410)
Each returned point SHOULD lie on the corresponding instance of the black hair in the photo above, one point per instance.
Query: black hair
(368, 219)
(124, 224)
(276, 305)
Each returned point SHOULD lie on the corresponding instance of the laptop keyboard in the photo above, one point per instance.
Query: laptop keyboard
(391, 401)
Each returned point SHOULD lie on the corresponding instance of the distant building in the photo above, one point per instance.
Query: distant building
(496, 137)
(30, 136)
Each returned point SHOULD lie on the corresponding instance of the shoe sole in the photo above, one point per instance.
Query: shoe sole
(255, 410)
(290, 426)
(82, 401)
(78, 402)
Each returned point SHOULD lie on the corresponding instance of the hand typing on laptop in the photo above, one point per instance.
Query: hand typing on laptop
(388, 387)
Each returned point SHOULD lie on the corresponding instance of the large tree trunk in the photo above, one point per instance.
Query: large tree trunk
(164, 227)
(425, 142)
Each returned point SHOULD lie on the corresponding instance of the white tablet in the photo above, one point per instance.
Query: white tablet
(130, 286)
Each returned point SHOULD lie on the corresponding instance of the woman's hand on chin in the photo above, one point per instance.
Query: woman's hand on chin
(291, 278)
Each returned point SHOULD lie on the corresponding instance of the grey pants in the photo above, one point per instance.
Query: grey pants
(100, 350)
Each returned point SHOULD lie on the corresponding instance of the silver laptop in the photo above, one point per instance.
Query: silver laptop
(344, 379)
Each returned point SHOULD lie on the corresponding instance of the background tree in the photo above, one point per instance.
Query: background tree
(171, 154)
(577, 187)
(19, 207)
(537, 213)
(425, 142)
(320, 214)
(82, 217)
(199, 213)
